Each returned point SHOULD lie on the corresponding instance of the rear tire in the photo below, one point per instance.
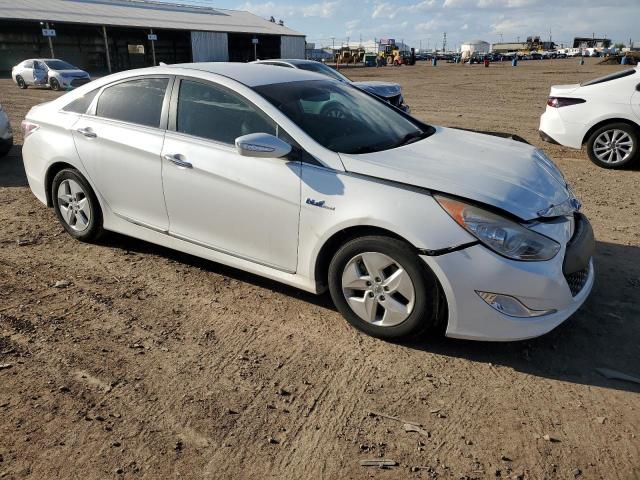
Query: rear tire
(614, 146)
(380, 285)
(76, 205)
(21, 83)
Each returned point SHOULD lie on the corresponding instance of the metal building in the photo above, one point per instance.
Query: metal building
(112, 35)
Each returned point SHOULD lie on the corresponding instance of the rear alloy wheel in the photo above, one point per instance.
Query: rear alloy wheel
(54, 84)
(613, 146)
(21, 83)
(381, 287)
(76, 205)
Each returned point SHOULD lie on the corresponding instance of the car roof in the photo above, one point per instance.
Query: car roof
(251, 74)
(292, 61)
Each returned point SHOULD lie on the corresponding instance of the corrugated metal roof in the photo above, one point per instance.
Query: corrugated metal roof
(140, 13)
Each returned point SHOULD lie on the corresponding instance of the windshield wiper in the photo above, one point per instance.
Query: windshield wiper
(412, 137)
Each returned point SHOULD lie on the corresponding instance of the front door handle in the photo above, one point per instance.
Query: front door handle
(87, 132)
(178, 159)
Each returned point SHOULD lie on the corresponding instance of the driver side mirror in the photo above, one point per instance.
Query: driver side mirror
(262, 145)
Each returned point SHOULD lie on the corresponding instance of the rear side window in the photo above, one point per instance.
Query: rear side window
(136, 101)
(217, 114)
(28, 64)
(81, 104)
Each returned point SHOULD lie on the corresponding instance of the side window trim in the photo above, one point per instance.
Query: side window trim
(164, 115)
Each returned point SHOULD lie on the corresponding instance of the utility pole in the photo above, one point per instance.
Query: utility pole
(153, 47)
(106, 47)
(501, 38)
(50, 43)
(444, 42)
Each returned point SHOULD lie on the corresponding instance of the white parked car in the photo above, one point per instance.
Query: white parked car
(603, 114)
(6, 134)
(409, 225)
(57, 74)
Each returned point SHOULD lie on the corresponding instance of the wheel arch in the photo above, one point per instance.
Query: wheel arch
(602, 123)
(339, 238)
(52, 171)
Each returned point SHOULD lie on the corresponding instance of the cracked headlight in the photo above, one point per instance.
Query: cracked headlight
(500, 234)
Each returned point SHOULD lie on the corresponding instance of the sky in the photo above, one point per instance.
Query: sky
(422, 23)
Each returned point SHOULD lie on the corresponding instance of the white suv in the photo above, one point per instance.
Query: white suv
(409, 225)
(603, 113)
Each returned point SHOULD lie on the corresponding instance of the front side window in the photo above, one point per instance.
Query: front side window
(81, 104)
(136, 101)
(215, 113)
(342, 118)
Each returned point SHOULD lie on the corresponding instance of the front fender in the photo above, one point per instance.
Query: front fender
(334, 201)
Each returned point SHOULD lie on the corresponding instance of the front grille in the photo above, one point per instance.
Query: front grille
(577, 280)
(76, 82)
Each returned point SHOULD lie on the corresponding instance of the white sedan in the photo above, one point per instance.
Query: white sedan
(603, 113)
(410, 226)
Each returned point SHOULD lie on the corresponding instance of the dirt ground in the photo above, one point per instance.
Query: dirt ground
(154, 364)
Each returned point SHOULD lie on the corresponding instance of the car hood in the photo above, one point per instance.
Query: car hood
(381, 89)
(506, 174)
(72, 73)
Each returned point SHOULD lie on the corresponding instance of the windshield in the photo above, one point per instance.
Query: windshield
(323, 69)
(342, 118)
(59, 65)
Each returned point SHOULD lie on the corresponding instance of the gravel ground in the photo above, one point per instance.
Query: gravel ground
(148, 363)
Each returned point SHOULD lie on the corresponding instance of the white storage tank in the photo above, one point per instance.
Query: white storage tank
(475, 46)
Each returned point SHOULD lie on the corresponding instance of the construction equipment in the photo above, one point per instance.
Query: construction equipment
(348, 55)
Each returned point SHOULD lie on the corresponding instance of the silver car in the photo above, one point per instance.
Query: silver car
(388, 91)
(6, 134)
(57, 74)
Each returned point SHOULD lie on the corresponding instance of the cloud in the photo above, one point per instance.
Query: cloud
(280, 10)
(392, 10)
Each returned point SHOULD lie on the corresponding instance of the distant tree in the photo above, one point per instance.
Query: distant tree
(619, 45)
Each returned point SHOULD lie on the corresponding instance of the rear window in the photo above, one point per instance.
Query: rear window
(81, 104)
(136, 101)
(608, 78)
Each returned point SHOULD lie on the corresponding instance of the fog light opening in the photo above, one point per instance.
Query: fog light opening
(511, 306)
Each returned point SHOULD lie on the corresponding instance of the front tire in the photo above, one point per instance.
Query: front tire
(380, 285)
(54, 84)
(76, 205)
(614, 146)
(21, 83)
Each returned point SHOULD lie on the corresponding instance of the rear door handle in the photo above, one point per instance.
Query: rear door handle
(87, 132)
(178, 159)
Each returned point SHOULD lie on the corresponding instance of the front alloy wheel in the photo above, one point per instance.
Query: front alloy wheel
(378, 289)
(382, 287)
